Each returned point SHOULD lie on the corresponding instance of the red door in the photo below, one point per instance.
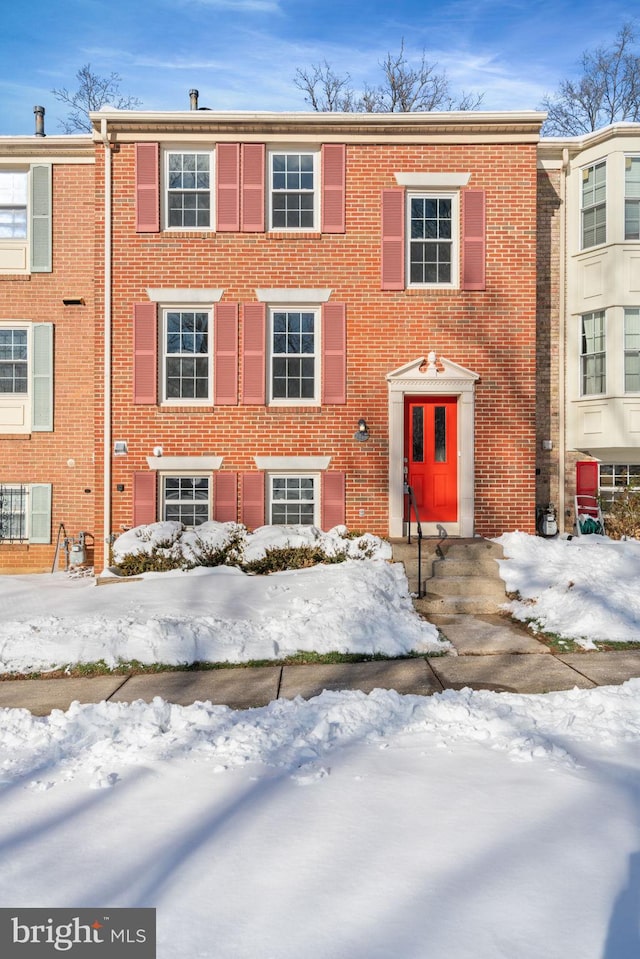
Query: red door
(431, 456)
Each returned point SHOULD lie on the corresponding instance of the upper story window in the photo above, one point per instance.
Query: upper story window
(594, 204)
(293, 190)
(632, 350)
(593, 354)
(632, 198)
(189, 180)
(431, 240)
(14, 361)
(294, 355)
(186, 367)
(13, 205)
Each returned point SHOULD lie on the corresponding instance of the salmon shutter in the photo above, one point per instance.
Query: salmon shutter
(333, 500)
(226, 498)
(333, 187)
(145, 351)
(473, 240)
(225, 374)
(147, 188)
(253, 172)
(587, 478)
(144, 498)
(334, 353)
(392, 240)
(253, 500)
(253, 353)
(228, 186)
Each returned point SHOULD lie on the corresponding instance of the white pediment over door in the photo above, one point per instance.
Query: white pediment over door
(432, 374)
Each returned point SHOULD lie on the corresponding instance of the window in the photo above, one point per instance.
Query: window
(189, 187)
(293, 500)
(13, 205)
(632, 198)
(186, 499)
(13, 360)
(431, 240)
(593, 354)
(613, 478)
(294, 353)
(632, 351)
(293, 191)
(594, 207)
(186, 341)
(13, 513)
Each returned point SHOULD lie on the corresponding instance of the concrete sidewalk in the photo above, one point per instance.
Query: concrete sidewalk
(243, 688)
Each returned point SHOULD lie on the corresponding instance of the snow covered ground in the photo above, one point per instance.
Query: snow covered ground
(465, 825)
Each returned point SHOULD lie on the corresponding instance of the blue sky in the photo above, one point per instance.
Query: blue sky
(243, 54)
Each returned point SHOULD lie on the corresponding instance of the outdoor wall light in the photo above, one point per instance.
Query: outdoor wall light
(362, 435)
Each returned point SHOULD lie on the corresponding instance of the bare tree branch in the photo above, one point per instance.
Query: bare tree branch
(608, 90)
(93, 93)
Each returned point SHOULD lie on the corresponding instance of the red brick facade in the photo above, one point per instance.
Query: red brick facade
(489, 331)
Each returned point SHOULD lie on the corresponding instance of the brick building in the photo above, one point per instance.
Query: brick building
(283, 317)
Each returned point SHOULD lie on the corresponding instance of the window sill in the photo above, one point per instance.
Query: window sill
(14, 436)
(15, 277)
(281, 235)
(14, 547)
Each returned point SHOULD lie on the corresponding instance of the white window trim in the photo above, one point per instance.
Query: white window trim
(592, 166)
(186, 148)
(182, 297)
(15, 251)
(184, 307)
(629, 156)
(296, 296)
(295, 401)
(432, 181)
(295, 474)
(625, 316)
(292, 464)
(199, 474)
(15, 408)
(317, 212)
(185, 464)
(582, 395)
(456, 237)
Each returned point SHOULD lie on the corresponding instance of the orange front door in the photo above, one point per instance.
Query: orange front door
(431, 456)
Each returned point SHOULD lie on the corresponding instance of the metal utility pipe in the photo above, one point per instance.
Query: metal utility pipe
(107, 341)
(39, 112)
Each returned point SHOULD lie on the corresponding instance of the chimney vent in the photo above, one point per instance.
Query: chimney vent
(193, 96)
(39, 112)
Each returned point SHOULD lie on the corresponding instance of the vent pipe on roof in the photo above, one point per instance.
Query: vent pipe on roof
(193, 97)
(39, 112)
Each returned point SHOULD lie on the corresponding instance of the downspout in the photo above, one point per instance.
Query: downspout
(562, 323)
(106, 484)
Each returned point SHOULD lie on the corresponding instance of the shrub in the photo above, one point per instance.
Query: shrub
(226, 554)
(623, 516)
(157, 560)
(280, 558)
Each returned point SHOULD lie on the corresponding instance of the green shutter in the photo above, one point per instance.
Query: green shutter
(42, 378)
(40, 510)
(40, 209)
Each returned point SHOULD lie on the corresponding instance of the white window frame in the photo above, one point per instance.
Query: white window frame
(5, 205)
(294, 151)
(584, 355)
(593, 207)
(26, 524)
(183, 308)
(182, 150)
(15, 401)
(294, 308)
(294, 475)
(454, 197)
(183, 475)
(628, 199)
(608, 492)
(633, 352)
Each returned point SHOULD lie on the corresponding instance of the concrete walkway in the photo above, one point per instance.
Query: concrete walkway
(490, 652)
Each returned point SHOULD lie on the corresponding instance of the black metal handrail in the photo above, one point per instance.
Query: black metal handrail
(413, 505)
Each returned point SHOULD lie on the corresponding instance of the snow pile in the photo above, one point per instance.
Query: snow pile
(170, 537)
(97, 742)
(215, 614)
(584, 589)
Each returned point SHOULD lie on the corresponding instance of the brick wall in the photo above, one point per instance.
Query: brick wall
(64, 457)
(492, 333)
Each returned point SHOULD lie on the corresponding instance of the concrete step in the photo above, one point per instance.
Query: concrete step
(463, 585)
(454, 566)
(431, 605)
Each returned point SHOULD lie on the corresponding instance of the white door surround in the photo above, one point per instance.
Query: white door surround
(432, 376)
